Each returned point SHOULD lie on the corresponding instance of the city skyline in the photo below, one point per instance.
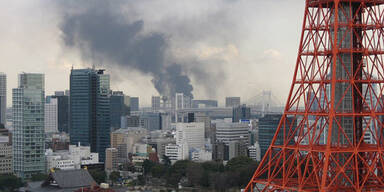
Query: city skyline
(221, 57)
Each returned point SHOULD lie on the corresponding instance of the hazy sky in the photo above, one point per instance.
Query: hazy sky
(224, 47)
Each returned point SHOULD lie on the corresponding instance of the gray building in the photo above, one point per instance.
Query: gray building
(3, 98)
(134, 102)
(90, 109)
(120, 107)
(241, 112)
(204, 103)
(28, 122)
(232, 101)
(62, 110)
(155, 103)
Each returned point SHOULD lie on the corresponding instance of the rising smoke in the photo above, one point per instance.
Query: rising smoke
(103, 33)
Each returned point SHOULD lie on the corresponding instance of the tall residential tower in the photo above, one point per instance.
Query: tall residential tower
(28, 123)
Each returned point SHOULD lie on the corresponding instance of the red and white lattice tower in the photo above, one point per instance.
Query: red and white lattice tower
(331, 135)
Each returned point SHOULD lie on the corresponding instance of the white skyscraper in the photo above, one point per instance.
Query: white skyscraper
(3, 97)
(191, 133)
(51, 116)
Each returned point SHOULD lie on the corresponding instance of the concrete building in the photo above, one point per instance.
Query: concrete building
(51, 115)
(181, 102)
(62, 110)
(73, 158)
(176, 152)
(204, 103)
(125, 139)
(220, 152)
(3, 98)
(254, 152)
(201, 155)
(191, 133)
(120, 107)
(241, 112)
(232, 101)
(5, 156)
(228, 132)
(134, 103)
(28, 123)
(155, 103)
(111, 161)
(90, 109)
(150, 121)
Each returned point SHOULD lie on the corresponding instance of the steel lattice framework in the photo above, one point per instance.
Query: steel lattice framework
(332, 129)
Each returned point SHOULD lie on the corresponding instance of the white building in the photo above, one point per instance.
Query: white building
(71, 159)
(191, 133)
(254, 152)
(51, 116)
(201, 155)
(176, 152)
(228, 132)
(3, 98)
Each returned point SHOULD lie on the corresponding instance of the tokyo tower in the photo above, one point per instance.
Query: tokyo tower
(331, 135)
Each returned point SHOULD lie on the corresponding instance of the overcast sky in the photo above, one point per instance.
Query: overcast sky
(223, 47)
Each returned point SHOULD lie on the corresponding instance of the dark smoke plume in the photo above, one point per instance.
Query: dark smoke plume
(102, 33)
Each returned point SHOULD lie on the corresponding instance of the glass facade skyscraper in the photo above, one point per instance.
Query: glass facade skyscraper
(90, 109)
(3, 97)
(119, 107)
(28, 122)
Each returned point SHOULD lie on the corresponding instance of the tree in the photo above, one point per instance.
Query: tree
(166, 161)
(98, 175)
(114, 176)
(194, 173)
(159, 170)
(238, 163)
(39, 177)
(10, 183)
(147, 166)
(176, 172)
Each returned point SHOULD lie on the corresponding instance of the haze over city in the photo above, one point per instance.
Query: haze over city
(210, 49)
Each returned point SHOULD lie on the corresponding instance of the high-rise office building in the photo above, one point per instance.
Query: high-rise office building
(134, 103)
(3, 98)
(267, 128)
(28, 123)
(191, 134)
(62, 110)
(90, 109)
(155, 103)
(120, 107)
(241, 112)
(232, 101)
(50, 115)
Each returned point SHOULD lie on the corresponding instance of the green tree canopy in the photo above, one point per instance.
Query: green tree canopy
(10, 183)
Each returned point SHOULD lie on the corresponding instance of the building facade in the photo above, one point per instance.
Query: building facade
(28, 123)
(90, 109)
(190, 133)
(241, 112)
(119, 108)
(232, 101)
(51, 115)
(63, 122)
(3, 98)
(5, 156)
(134, 103)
